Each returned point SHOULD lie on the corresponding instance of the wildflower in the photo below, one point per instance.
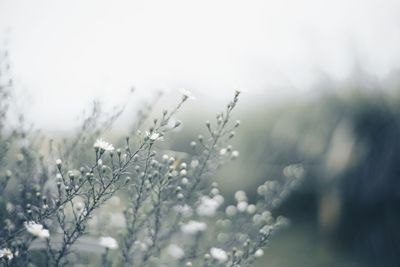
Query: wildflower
(103, 145)
(262, 190)
(242, 206)
(6, 253)
(259, 253)
(154, 136)
(219, 254)
(175, 251)
(214, 191)
(208, 206)
(235, 154)
(193, 144)
(165, 158)
(184, 181)
(187, 95)
(108, 242)
(36, 229)
(240, 196)
(230, 211)
(58, 162)
(251, 209)
(193, 227)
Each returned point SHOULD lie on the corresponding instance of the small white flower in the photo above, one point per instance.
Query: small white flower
(184, 181)
(154, 136)
(219, 254)
(58, 162)
(235, 154)
(193, 227)
(36, 229)
(187, 94)
(242, 206)
(240, 196)
(183, 165)
(208, 206)
(230, 211)
(103, 145)
(214, 191)
(108, 242)
(6, 253)
(175, 251)
(259, 253)
(251, 209)
(222, 151)
(262, 189)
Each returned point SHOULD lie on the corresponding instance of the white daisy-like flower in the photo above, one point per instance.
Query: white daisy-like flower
(103, 145)
(154, 136)
(187, 94)
(36, 229)
(108, 242)
(175, 251)
(259, 253)
(219, 254)
(223, 151)
(193, 227)
(6, 253)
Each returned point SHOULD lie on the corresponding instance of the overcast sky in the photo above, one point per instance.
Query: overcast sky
(64, 53)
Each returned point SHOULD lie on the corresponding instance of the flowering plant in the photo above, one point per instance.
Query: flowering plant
(129, 205)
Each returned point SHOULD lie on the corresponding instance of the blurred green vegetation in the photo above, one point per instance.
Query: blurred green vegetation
(347, 211)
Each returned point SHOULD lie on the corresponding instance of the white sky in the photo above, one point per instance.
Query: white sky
(64, 53)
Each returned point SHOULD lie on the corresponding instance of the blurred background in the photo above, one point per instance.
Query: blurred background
(321, 88)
